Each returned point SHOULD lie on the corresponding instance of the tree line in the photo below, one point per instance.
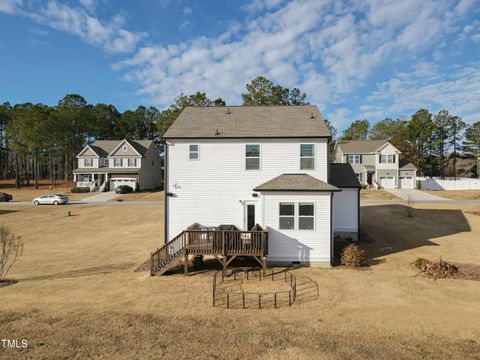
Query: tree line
(428, 140)
(38, 141)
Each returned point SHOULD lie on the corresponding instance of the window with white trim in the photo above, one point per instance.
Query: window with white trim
(286, 216)
(354, 159)
(387, 159)
(88, 162)
(132, 162)
(306, 216)
(194, 152)
(252, 157)
(105, 162)
(307, 157)
(117, 162)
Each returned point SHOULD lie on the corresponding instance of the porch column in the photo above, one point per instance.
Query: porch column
(74, 179)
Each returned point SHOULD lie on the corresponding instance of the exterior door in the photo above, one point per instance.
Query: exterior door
(250, 215)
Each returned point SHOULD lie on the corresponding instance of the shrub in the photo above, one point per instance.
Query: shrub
(80, 190)
(10, 248)
(419, 185)
(352, 256)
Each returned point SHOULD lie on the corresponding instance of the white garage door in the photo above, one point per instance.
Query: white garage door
(406, 183)
(387, 182)
(114, 183)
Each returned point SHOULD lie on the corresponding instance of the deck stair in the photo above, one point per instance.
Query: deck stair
(225, 246)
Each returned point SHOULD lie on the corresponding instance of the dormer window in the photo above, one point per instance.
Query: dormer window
(387, 159)
(105, 162)
(87, 162)
(125, 148)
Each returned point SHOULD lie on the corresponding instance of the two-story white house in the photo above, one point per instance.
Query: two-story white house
(110, 163)
(266, 165)
(377, 163)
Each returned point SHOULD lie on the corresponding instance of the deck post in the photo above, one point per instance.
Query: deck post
(151, 265)
(224, 270)
(264, 266)
(185, 264)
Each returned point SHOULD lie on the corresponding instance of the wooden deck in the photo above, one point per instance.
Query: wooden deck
(225, 246)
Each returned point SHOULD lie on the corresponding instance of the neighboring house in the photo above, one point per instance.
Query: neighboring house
(376, 163)
(266, 165)
(110, 163)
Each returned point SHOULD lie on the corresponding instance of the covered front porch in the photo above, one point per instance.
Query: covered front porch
(93, 181)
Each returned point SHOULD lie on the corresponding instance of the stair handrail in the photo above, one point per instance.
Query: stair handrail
(163, 255)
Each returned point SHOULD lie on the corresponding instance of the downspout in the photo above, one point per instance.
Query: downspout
(358, 205)
(165, 192)
(331, 229)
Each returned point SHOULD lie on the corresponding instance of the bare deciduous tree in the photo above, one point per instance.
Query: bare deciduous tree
(11, 247)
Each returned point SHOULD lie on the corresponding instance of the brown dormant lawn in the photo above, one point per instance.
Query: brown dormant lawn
(28, 193)
(153, 195)
(457, 194)
(377, 194)
(79, 297)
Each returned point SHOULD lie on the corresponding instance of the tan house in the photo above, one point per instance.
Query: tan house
(110, 163)
(377, 163)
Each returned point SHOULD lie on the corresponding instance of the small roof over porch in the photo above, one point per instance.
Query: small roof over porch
(104, 170)
(295, 182)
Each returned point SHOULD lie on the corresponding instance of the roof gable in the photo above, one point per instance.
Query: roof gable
(249, 122)
(88, 151)
(124, 148)
(361, 146)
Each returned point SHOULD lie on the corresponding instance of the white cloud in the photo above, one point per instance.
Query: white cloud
(339, 118)
(187, 10)
(455, 89)
(88, 4)
(184, 25)
(77, 21)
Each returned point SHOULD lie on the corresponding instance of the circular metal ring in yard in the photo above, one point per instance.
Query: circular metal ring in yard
(254, 290)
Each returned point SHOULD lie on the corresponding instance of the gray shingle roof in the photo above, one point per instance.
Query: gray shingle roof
(360, 146)
(406, 165)
(343, 176)
(105, 147)
(295, 182)
(249, 122)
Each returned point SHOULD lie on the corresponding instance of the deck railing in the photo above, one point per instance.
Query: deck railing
(210, 242)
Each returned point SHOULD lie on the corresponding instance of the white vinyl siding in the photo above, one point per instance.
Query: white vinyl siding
(307, 156)
(301, 245)
(252, 157)
(220, 181)
(193, 152)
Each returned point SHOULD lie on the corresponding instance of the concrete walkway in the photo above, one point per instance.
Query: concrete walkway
(415, 195)
(101, 197)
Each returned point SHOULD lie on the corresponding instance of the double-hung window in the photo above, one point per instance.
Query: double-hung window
(306, 216)
(193, 152)
(132, 162)
(87, 162)
(287, 216)
(354, 159)
(307, 157)
(105, 162)
(117, 162)
(252, 157)
(387, 159)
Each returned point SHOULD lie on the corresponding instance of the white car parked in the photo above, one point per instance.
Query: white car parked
(51, 199)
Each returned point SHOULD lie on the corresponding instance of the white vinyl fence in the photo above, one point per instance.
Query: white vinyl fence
(449, 183)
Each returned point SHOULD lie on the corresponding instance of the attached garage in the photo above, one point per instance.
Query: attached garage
(115, 182)
(406, 182)
(387, 182)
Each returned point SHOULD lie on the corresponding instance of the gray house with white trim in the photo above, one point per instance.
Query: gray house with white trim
(377, 163)
(110, 163)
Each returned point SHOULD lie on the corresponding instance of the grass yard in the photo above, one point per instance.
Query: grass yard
(141, 196)
(456, 194)
(79, 297)
(377, 194)
(28, 193)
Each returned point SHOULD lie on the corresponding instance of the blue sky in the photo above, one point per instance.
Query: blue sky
(354, 59)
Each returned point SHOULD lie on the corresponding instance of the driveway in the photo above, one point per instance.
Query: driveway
(101, 197)
(415, 195)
